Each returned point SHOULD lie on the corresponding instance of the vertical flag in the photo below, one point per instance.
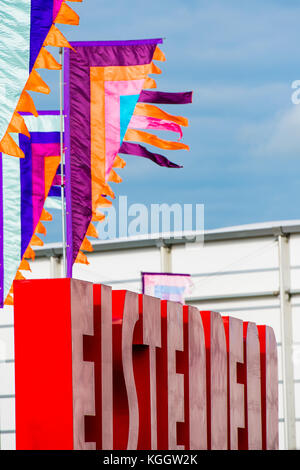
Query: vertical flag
(24, 185)
(27, 28)
(109, 111)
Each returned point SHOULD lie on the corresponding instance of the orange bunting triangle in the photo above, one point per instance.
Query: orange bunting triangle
(26, 104)
(29, 253)
(119, 162)
(37, 84)
(9, 147)
(36, 241)
(114, 177)
(67, 16)
(149, 83)
(91, 231)
(46, 216)
(45, 60)
(19, 276)
(154, 68)
(9, 300)
(41, 229)
(17, 125)
(107, 191)
(56, 39)
(24, 266)
(159, 55)
(86, 245)
(81, 258)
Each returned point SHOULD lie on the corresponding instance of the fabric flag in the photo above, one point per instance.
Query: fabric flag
(27, 28)
(24, 186)
(167, 286)
(109, 110)
(54, 196)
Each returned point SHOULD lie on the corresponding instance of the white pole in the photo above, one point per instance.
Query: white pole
(286, 344)
(62, 164)
(165, 258)
(55, 267)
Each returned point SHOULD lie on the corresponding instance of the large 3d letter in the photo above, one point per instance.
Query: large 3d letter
(216, 379)
(236, 391)
(98, 348)
(130, 317)
(175, 381)
(152, 338)
(54, 395)
(126, 408)
(252, 376)
(82, 372)
(269, 379)
(197, 380)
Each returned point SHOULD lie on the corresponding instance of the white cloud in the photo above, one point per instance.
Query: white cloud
(277, 137)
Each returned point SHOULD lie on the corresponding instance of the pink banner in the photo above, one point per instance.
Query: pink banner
(167, 286)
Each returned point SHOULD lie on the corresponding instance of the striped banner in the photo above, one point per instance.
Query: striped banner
(109, 110)
(27, 29)
(25, 184)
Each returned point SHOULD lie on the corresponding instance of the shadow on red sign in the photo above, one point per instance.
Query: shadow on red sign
(103, 369)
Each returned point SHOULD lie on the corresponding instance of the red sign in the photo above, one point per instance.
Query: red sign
(103, 369)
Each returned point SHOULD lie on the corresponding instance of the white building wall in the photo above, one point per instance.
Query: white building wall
(235, 267)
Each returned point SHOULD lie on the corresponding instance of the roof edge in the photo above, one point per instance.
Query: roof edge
(157, 240)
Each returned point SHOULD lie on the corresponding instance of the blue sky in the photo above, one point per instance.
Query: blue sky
(240, 59)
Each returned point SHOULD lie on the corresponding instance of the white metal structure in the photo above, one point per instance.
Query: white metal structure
(251, 272)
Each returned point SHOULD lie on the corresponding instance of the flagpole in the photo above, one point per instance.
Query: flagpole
(62, 164)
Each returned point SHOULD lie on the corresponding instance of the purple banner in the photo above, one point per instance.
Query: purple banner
(78, 124)
(161, 97)
(140, 151)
